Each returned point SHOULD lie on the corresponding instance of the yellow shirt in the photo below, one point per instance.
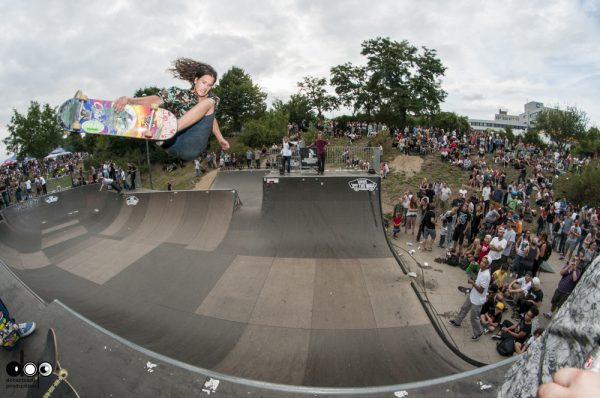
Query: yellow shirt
(500, 277)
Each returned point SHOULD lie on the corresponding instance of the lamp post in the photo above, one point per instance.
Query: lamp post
(148, 161)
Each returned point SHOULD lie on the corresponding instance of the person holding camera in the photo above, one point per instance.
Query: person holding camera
(570, 273)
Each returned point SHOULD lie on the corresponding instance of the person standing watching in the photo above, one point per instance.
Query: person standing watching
(321, 145)
(477, 297)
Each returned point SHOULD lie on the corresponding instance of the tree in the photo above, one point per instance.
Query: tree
(269, 128)
(532, 136)
(350, 84)
(589, 144)
(35, 134)
(298, 109)
(403, 80)
(563, 127)
(315, 92)
(146, 91)
(450, 121)
(582, 188)
(241, 100)
(508, 132)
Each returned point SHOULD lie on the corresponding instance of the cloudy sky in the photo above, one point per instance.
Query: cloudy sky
(499, 54)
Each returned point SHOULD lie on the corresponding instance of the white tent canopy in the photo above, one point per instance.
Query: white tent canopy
(57, 152)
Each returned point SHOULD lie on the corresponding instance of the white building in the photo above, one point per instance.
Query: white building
(518, 123)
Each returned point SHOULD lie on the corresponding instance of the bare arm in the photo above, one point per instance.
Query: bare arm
(196, 113)
(217, 132)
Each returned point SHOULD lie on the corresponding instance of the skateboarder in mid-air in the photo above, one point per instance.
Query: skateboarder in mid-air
(194, 108)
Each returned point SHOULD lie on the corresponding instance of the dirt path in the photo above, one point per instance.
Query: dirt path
(406, 165)
(206, 180)
(409, 165)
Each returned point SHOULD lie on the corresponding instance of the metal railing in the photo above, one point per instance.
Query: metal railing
(339, 158)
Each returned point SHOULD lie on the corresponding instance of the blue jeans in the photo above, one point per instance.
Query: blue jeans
(191, 142)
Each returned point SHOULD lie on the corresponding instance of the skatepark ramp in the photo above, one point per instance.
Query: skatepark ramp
(297, 286)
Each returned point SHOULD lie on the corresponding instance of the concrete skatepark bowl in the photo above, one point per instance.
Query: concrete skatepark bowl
(280, 285)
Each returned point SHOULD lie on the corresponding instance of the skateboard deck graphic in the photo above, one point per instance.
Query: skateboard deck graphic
(94, 116)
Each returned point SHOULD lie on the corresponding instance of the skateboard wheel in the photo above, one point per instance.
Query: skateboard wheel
(154, 107)
(76, 126)
(82, 97)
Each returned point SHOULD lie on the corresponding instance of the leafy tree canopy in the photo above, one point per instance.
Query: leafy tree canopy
(582, 187)
(241, 100)
(269, 128)
(398, 79)
(34, 134)
(315, 91)
(563, 126)
(298, 108)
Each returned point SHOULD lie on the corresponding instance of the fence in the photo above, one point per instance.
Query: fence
(339, 158)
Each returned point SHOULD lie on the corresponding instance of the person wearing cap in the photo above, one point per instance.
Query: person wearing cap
(490, 321)
(533, 298)
(497, 246)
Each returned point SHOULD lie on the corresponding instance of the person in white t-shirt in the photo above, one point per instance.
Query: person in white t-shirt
(445, 193)
(109, 182)
(477, 297)
(286, 156)
(497, 246)
(485, 195)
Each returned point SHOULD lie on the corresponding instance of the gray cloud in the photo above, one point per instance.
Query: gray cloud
(497, 53)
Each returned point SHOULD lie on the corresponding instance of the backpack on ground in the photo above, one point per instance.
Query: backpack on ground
(506, 346)
(453, 260)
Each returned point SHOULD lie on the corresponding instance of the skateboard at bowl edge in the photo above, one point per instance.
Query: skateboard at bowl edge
(52, 378)
(81, 114)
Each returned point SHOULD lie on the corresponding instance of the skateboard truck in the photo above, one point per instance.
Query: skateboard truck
(81, 97)
(148, 132)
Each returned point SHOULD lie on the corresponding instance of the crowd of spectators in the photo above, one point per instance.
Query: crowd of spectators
(21, 181)
(511, 225)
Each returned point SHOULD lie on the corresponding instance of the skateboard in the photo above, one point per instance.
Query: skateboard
(8, 329)
(81, 114)
(51, 379)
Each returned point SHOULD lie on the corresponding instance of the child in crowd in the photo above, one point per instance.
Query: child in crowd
(485, 247)
(397, 220)
(443, 232)
(472, 267)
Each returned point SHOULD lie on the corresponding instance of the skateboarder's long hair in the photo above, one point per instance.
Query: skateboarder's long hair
(187, 69)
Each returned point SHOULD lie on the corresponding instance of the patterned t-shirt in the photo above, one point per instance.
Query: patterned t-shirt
(179, 101)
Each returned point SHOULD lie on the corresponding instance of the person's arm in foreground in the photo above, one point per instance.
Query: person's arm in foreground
(572, 383)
